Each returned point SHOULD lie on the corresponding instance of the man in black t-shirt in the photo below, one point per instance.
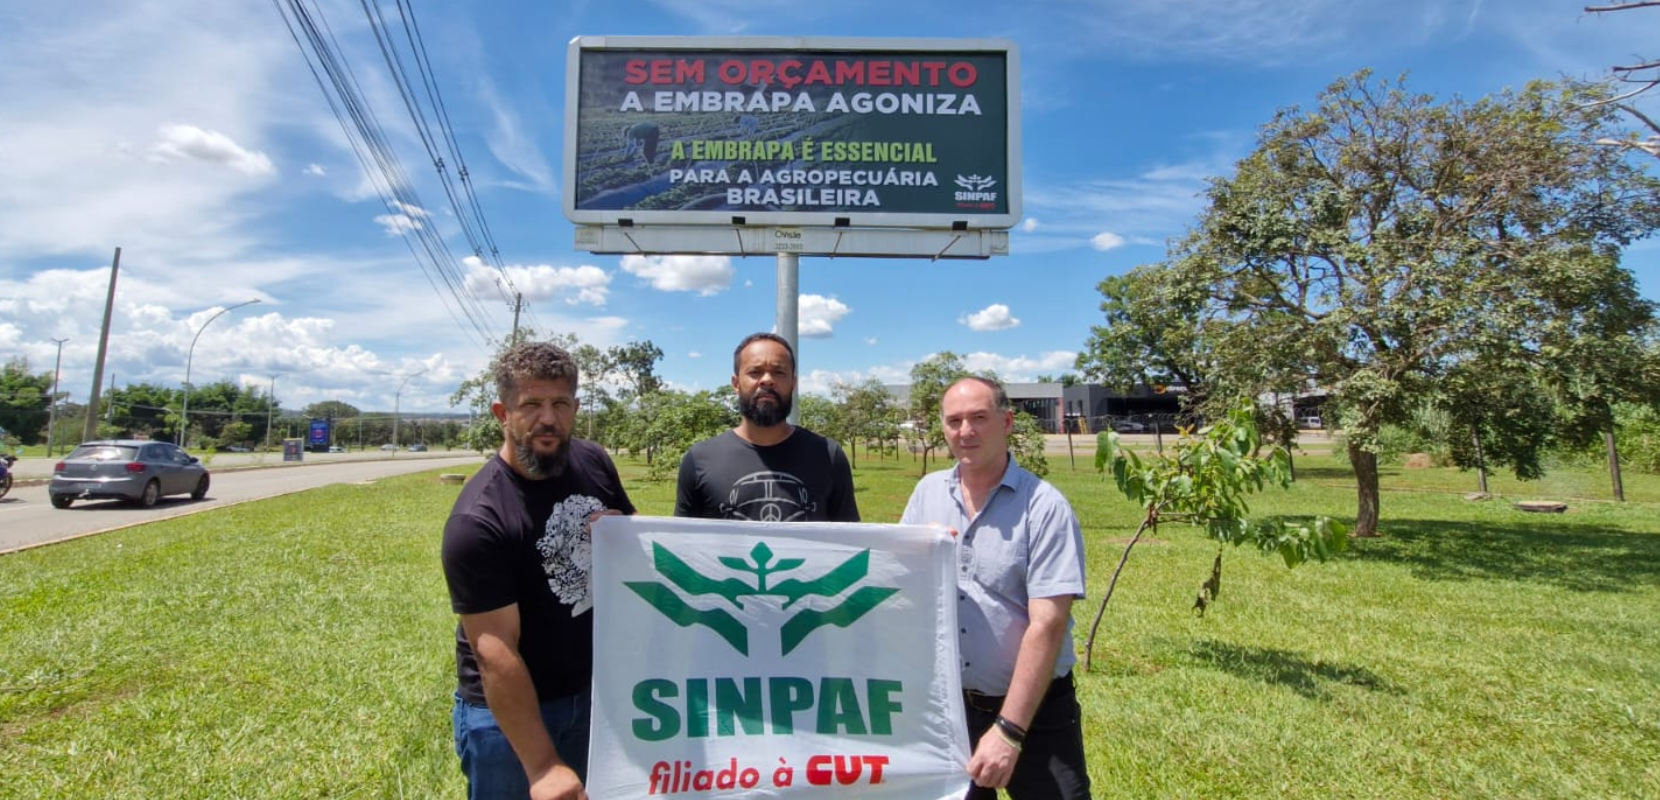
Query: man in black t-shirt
(517, 560)
(766, 469)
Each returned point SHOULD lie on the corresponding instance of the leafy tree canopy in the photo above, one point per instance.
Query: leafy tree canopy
(1381, 242)
(330, 409)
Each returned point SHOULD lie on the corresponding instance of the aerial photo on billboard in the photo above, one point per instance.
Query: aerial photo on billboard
(832, 132)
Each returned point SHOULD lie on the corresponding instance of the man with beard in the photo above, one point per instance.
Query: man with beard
(766, 469)
(516, 557)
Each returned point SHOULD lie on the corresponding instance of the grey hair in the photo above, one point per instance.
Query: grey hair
(532, 361)
(1000, 398)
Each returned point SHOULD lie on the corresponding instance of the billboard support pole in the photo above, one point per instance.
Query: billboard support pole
(789, 306)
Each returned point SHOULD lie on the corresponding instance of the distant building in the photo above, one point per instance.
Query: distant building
(1086, 408)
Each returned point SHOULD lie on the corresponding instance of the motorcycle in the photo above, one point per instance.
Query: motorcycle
(6, 462)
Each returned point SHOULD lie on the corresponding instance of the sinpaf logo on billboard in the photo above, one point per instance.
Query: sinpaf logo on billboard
(974, 194)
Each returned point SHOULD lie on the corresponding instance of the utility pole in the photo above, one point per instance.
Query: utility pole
(52, 413)
(270, 401)
(518, 305)
(90, 432)
(396, 412)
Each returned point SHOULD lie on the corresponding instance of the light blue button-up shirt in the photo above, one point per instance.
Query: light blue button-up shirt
(1025, 542)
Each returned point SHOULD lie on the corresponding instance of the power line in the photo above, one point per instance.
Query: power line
(482, 240)
(381, 165)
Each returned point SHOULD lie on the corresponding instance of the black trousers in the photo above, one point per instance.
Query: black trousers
(1051, 764)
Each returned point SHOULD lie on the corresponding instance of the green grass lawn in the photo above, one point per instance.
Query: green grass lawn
(300, 647)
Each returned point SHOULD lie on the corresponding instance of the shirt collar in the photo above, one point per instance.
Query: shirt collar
(1012, 476)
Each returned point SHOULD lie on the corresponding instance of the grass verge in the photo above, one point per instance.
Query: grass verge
(299, 647)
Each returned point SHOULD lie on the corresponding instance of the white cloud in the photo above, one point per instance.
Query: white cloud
(694, 354)
(180, 142)
(585, 284)
(1030, 224)
(706, 275)
(1020, 369)
(871, 341)
(995, 317)
(818, 315)
(1253, 31)
(397, 224)
(410, 210)
(1106, 240)
(822, 381)
(515, 145)
(315, 169)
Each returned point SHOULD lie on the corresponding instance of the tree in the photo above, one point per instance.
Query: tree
(143, 408)
(1027, 444)
(1643, 75)
(1204, 483)
(1374, 244)
(237, 432)
(330, 409)
(867, 412)
(1153, 335)
(820, 415)
(680, 420)
(929, 380)
(23, 400)
(594, 366)
(1601, 358)
(635, 364)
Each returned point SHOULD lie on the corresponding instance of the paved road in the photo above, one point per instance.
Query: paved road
(27, 518)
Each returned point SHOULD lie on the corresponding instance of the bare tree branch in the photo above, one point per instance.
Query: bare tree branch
(1629, 109)
(1623, 6)
(1636, 67)
(1652, 146)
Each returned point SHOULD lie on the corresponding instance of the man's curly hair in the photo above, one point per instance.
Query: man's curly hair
(532, 361)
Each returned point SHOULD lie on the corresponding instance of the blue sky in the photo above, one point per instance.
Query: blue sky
(191, 134)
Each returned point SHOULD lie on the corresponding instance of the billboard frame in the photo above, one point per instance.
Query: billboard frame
(839, 219)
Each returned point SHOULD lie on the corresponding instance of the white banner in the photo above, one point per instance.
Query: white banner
(775, 660)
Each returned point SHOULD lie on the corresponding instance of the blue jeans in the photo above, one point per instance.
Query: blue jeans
(492, 768)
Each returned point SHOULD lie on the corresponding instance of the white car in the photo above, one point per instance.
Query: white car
(1127, 426)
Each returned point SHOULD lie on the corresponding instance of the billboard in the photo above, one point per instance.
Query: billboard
(910, 133)
(318, 435)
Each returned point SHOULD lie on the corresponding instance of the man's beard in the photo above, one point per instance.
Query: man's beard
(765, 416)
(537, 465)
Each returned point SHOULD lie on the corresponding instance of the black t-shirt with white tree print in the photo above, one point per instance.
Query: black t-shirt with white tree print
(511, 540)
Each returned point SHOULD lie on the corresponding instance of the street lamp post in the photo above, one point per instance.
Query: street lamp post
(269, 402)
(52, 413)
(184, 413)
(396, 412)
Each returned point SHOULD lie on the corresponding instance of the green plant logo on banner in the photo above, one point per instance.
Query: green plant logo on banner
(758, 569)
